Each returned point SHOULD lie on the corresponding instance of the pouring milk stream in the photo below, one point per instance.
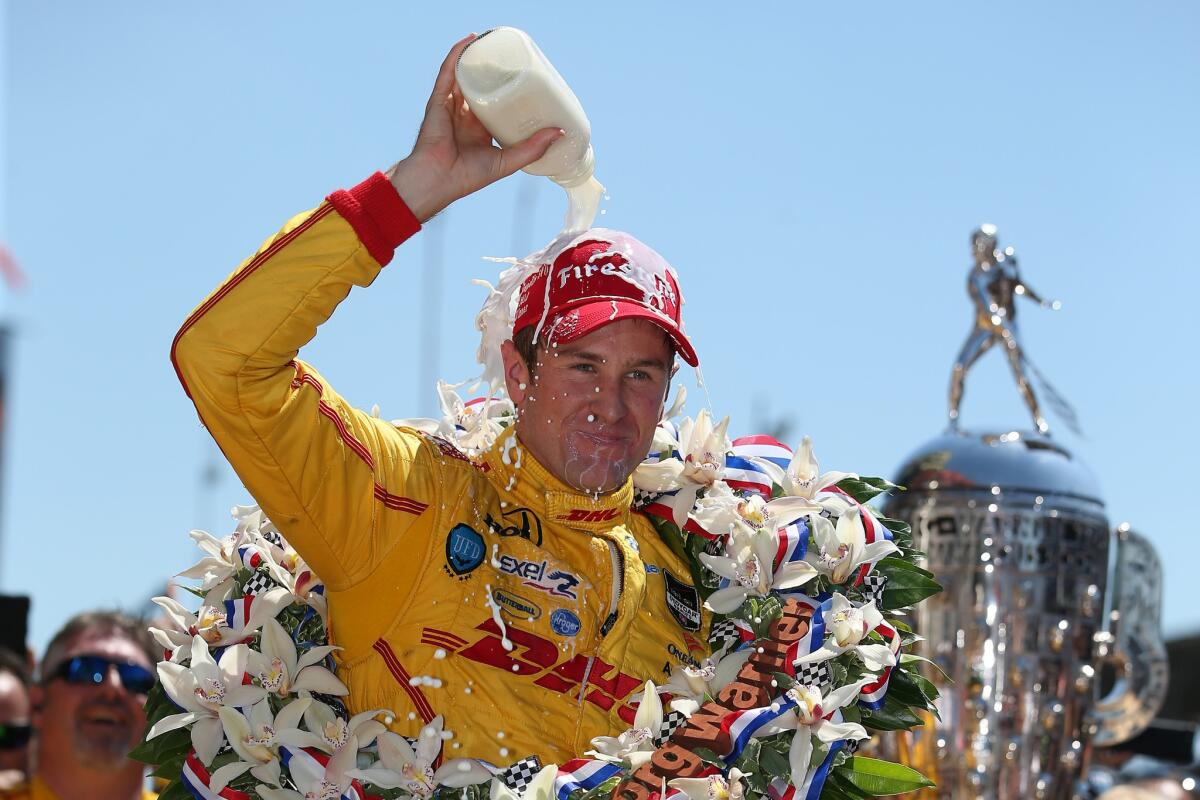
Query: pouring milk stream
(515, 91)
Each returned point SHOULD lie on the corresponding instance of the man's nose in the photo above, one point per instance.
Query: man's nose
(609, 403)
(112, 680)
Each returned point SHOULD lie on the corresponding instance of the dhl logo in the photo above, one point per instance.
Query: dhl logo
(585, 515)
(534, 656)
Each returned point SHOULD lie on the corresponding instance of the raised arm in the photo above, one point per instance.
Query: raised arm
(340, 484)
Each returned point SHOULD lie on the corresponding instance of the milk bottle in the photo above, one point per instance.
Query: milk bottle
(515, 91)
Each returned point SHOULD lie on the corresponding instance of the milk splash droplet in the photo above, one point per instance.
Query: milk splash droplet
(591, 417)
(495, 607)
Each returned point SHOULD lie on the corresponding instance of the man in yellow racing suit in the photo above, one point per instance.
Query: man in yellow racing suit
(517, 596)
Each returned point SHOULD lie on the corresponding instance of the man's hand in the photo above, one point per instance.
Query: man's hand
(454, 155)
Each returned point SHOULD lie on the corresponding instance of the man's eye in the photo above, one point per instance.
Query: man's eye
(640, 375)
(584, 367)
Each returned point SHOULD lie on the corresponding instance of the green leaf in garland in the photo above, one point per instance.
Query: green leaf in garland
(864, 489)
(882, 778)
(774, 763)
(176, 791)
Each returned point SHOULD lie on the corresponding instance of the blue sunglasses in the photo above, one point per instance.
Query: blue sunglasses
(92, 670)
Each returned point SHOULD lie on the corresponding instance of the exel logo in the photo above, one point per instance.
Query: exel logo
(539, 575)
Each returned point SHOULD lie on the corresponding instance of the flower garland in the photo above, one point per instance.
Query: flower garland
(808, 586)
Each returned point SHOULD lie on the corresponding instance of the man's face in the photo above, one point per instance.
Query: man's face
(589, 412)
(14, 710)
(96, 724)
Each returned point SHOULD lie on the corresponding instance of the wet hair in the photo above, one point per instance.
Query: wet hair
(109, 621)
(526, 348)
(15, 665)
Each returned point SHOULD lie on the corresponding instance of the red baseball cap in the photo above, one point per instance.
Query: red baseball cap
(600, 277)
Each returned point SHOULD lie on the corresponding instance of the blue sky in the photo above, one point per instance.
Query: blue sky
(812, 172)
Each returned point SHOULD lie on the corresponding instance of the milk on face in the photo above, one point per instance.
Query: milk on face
(515, 91)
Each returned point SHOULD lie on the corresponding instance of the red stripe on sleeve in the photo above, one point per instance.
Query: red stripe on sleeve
(378, 215)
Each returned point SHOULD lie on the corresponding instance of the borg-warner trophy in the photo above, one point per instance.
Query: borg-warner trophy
(1049, 623)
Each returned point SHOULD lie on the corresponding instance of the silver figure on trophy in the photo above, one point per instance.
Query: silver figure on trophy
(1049, 623)
(994, 285)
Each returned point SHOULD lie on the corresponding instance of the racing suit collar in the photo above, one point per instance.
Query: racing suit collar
(533, 485)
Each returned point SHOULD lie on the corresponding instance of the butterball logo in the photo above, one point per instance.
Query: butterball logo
(516, 605)
(464, 550)
(564, 622)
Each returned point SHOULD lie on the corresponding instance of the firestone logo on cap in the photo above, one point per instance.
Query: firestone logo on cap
(590, 284)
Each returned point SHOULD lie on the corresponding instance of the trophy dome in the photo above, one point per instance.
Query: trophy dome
(1013, 461)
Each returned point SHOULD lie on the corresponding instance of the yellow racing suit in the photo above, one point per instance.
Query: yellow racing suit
(527, 614)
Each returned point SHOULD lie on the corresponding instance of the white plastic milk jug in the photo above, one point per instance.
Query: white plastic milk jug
(515, 91)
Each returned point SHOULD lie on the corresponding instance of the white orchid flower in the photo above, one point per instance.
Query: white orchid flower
(701, 463)
(202, 690)
(335, 731)
(810, 718)
(256, 739)
(677, 406)
(540, 788)
(843, 548)
(848, 626)
(714, 787)
(217, 569)
(635, 745)
(211, 624)
(473, 426)
(280, 671)
(314, 781)
(722, 511)
(749, 567)
(400, 766)
(802, 478)
(691, 687)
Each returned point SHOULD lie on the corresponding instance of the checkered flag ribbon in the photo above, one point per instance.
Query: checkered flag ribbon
(672, 722)
(259, 583)
(818, 675)
(274, 538)
(723, 633)
(518, 775)
(643, 498)
(872, 588)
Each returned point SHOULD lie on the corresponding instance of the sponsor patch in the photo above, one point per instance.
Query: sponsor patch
(651, 569)
(517, 522)
(683, 658)
(683, 601)
(540, 575)
(516, 605)
(564, 622)
(591, 515)
(464, 551)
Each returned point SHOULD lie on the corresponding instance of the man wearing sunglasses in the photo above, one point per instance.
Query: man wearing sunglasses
(93, 682)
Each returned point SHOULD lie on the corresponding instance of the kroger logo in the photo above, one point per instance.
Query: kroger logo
(564, 622)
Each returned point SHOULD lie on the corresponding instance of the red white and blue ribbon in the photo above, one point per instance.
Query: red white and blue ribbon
(742, 725)
(196, 779)
(237, 612)
(582, 773)
(874, 694)
(742, 473)
(816, 631)
(793, 545)
(250, 556)
(814, 782)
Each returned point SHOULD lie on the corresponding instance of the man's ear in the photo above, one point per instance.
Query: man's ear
(516, 373)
